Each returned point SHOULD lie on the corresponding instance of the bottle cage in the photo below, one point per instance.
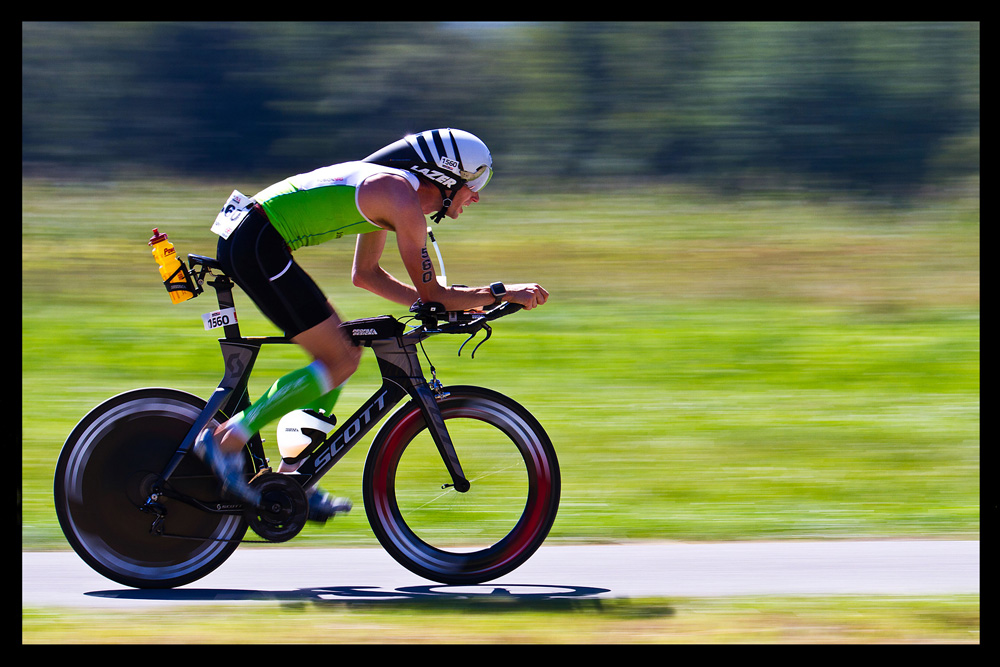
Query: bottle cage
(189, 284)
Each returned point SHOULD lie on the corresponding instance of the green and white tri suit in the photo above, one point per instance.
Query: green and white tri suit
(311, 208)
(306, 209)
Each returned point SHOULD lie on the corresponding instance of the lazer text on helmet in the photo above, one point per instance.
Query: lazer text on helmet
(434, 175)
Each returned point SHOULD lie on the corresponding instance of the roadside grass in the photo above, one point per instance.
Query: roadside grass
(505, 620)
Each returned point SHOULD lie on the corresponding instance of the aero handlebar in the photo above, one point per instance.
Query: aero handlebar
(436, 319)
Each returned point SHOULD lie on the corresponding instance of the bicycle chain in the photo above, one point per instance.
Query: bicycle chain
(153, 531)
(264, 478)
(216, 539)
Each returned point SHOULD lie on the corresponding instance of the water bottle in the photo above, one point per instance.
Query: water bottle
(172, 270)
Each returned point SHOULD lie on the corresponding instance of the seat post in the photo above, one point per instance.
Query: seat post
(224, 292)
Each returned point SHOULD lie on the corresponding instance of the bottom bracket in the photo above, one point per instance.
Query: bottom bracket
(283, 508)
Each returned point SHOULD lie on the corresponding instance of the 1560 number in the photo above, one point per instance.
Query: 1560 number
(219, 318)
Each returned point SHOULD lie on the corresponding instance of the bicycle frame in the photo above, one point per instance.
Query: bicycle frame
(401, 373)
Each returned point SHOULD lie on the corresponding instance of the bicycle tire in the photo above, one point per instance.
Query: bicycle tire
(431, 531)
(102, 478)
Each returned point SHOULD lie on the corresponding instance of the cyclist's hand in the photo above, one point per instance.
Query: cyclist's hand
(528, 295)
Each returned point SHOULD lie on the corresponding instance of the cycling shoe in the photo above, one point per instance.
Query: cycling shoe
(323, 506)
(227, 467)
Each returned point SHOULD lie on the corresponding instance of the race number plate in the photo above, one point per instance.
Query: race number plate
(219, 318)
(232, 214)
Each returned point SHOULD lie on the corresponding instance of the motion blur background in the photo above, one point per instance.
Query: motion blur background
(885, 108)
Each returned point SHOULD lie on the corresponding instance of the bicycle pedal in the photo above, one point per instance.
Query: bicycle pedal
(323, 506)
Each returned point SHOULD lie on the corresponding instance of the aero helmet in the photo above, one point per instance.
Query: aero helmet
(448, 158)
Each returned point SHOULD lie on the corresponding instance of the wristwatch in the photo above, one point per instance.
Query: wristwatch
(498, 291)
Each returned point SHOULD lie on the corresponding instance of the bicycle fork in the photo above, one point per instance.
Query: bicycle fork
(401, 365)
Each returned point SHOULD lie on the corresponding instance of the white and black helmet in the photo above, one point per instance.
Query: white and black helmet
(448, 158)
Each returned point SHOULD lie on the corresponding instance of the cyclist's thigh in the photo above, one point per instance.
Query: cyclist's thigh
(257, 259)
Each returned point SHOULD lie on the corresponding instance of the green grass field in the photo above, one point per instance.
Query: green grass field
(707, 368)
(489, 620)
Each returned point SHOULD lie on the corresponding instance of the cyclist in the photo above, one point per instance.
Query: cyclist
(439, 172)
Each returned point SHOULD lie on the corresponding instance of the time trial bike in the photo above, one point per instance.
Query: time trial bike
(461, 484)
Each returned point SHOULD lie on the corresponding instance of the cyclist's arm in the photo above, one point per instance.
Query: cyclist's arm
(368, 274)
(393, 204)
(411, 239)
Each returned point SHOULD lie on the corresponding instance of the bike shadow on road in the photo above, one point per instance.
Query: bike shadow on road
(483, 597)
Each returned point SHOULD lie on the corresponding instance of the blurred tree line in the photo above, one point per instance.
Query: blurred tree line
(874, 107)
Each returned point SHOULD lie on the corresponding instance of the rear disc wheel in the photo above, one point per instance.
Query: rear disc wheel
(105, 473)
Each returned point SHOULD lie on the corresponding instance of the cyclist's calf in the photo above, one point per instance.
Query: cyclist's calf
(343, 365)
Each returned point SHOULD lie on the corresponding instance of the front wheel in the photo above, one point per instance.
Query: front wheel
(104, 476)
(486, 532)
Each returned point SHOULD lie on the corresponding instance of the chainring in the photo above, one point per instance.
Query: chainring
(283, 509)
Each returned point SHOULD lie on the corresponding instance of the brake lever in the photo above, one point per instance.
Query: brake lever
(489, 332)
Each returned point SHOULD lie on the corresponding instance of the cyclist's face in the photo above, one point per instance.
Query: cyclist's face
(462, 198)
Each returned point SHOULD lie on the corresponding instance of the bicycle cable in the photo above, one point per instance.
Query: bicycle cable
(435, 383)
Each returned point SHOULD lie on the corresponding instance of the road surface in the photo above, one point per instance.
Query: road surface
(282, 574)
